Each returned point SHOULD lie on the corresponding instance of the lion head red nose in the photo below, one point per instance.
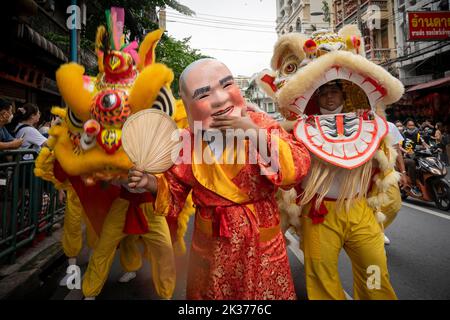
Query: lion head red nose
(310, 46)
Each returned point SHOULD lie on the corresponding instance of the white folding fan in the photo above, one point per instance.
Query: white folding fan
(147, 140)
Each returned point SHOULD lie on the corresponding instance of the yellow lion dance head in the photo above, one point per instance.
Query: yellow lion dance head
(88, 142)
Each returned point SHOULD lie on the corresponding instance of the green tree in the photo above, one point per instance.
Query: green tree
(140, 15)
(177, 55)
(326, 11)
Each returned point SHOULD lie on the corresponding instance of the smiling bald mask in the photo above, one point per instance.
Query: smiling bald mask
(208, 89)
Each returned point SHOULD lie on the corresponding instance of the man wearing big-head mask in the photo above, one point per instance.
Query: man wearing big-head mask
(238, 250)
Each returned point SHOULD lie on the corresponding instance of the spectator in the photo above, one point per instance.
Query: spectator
(426, 130)
(43, 129)
(438, 134)
(400, 126)
(438, 138)
(446, 142)
(412, 139)
(6, 139)
(24, 121)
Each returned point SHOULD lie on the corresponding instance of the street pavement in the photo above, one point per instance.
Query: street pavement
(418, 260)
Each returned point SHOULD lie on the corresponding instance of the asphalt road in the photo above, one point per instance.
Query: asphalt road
(418, 259)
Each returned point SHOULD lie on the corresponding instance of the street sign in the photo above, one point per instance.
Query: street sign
(429, 25)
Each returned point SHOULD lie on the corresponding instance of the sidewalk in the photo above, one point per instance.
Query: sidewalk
(24, 276)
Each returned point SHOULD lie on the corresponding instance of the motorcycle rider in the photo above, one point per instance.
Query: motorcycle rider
(412, 139)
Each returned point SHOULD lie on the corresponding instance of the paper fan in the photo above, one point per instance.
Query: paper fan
(147, 140)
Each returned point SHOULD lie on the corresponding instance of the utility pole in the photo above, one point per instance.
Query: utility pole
(74, 36)
(358, 15)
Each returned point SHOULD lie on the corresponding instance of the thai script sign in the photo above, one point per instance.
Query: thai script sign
(429, 25)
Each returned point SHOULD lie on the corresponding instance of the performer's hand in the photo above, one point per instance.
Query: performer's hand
(361, 112)
(138, 179)
(288, 125)
(232, 122)
(403, 180)
(61, 196)
(16, 143)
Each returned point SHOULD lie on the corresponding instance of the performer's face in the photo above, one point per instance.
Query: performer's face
(208, 90)
(330, 97)
(6, 116)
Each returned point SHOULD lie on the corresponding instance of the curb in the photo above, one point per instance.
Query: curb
(20, 279)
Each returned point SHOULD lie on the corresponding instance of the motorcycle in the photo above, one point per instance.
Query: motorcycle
(431, 179)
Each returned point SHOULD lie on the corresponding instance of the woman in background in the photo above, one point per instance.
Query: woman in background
(24, 121)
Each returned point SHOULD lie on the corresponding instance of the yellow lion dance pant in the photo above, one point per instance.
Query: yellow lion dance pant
(158, 246)
(72, 238)
(358, 232)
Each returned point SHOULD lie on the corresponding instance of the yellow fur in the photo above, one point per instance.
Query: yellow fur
(101, 33)
(44, 168)
(383, 198)
(291, 43)
(96, 160)
(60, 112)
(147, 86)
(69, 78)
(305, 78)
(180, 116)
(149, 43)
(352, 30)
(183, 219)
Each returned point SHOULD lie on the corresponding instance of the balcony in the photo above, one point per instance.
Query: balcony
(379, 55)
(367, 10)
(350, 7)
(287, 9)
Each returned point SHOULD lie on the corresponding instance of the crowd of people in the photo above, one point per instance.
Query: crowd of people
(427, 134)
(413, 136)
(23, 128)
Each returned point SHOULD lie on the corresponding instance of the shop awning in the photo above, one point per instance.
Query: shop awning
(431, 84)
(34, 37)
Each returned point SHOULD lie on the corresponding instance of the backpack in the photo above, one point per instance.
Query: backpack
(23, 125)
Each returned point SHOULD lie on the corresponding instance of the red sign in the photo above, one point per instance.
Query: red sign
(429, 25)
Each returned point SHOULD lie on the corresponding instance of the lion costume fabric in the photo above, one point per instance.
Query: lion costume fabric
(84, 153)
(352, 158)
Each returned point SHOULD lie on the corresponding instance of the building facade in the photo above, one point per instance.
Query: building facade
(255, 95)
(36, 35)
(295, 16)
(376, 20)
(242, 82)
(419, 61)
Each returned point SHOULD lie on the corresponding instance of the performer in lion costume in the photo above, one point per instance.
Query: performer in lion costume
(323, 83)
(85, 157)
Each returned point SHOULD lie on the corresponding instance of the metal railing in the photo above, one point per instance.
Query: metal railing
(29, 206)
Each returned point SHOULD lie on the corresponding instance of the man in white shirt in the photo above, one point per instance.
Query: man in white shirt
(397, 140)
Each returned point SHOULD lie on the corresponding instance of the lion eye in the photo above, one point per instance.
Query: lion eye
(290, 68)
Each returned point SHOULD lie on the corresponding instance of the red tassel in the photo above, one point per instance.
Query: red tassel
(135, 221)
(317, 216)
(220, 223)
